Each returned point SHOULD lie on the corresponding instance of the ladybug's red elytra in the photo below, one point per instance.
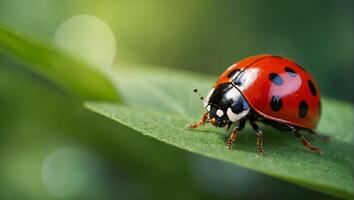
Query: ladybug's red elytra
(265, 88)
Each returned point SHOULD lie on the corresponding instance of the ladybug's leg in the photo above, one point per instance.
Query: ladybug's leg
(228, 126)
(322, 137)
(306, 143)
(259, 133)
(234, 133)
(201, 122)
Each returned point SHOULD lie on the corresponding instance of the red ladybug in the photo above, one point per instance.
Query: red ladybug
(264, 88)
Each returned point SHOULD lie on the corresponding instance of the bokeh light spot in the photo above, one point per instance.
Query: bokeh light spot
(69, 172)
(89, 38)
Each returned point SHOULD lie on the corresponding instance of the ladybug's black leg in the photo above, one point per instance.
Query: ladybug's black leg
(306, 143)
(322, 137)
(201, 122)
(259, 133)
(228, 126)
(234, 133)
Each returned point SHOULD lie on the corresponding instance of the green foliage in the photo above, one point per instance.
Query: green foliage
(69, 73)
(159, 103)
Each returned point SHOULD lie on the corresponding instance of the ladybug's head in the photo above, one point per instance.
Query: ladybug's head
(217, 116)
(225, 105)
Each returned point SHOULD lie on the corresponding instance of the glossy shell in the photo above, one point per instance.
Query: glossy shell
(276, 88)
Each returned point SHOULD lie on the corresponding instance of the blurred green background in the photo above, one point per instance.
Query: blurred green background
(52, 148)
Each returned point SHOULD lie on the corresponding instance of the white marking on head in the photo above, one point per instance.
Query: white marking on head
(207, 98)
(208, 108)
(236, 117)
(219, 113)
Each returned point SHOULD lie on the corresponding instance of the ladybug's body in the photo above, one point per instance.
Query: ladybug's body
(265, 88)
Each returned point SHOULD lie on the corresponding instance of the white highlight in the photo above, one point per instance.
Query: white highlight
(292, 85)
(207, 98)
(219, 113)
(236, 117)
(248, 77)
(233, 93)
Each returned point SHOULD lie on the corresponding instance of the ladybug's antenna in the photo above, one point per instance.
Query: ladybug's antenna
(200, 96)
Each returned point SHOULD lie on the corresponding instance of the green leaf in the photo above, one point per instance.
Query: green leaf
(64, 70)
(160, 104)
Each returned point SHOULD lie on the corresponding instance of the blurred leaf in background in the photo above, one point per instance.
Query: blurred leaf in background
(209, 35)
(72, 74)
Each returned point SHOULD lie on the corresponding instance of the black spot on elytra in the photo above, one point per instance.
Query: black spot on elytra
(312, 87)
(276, 103)
(290, 71)
(303, 108)
(276, 79)
(275, 56)
(233, 72)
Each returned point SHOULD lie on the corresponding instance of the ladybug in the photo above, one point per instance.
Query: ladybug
(269, 89)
